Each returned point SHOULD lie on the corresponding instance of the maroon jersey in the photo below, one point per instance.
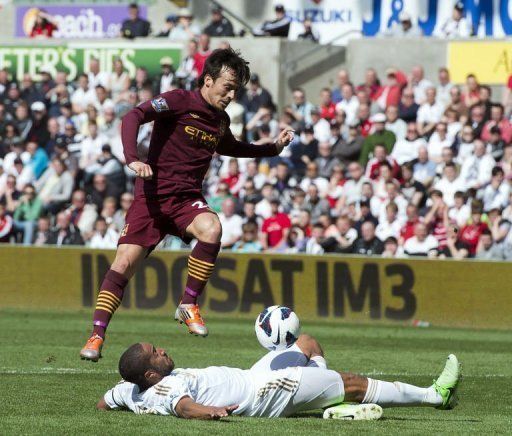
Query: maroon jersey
(186, 134)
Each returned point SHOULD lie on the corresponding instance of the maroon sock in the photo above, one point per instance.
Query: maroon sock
(200, 266)
(109, 299)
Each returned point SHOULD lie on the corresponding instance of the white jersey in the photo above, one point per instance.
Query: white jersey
(258, 393)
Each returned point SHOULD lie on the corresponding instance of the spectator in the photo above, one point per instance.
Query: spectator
(496, 193)
(202, 53)
(407, 149)
(83, 95)
(460, 212)
(170, 23)
(255, 97)
(327, 107)
(368, 244)
(321, 127)
(231, 224)
(219, 25)
(457, 26)
(455, 248)
(119, 218)
(471, 232)
(419, 84)
(421, 244)
(412, 218)
(495, 144)
(456, 102)
(390, 93)
(471, 94)
(437, 218)
(27, 213)
(99, 191)
(395, 124)
(465, 144)
(316, 205)
(497, 120)
(10, 197)
(349, 103)
(22, 121)
(326, 161)
(487, 249)
(55, 186)
(135, 26)
(275, 229)
(44, 25)
(119, 81)
(280, 26)
(390, 226)
(186, 29)
(167, 79)
(104, 237)
(108, 165)
(42, 232)
(64, 233)
(408, 108)
(379, 135)
(6, 225)
(82, 215)
(187, 70)
(391, 248)
(450, 184)
(249, 242)
(429, 113)
(404, 28)
(309, 33)
(477, 169)
(91, 146)
(348, 150)
(439, 140)
(314, 242)
(300, 107)
(96, 76)
(312, 177)
(340, 236)
(413, 191)
(444, 86)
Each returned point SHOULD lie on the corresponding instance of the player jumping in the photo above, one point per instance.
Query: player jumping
(190, 126)
(282, 383)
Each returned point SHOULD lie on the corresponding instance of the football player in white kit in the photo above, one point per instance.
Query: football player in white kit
(280, 384)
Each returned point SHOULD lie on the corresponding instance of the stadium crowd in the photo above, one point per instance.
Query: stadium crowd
(400, 165)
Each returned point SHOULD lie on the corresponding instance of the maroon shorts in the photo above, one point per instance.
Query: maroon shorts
(149, 220)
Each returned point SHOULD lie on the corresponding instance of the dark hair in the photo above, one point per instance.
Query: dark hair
(225, 58)
(133, 364)
(497, 170)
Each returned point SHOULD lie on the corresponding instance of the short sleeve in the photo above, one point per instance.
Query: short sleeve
(173, 389)
(116, 397)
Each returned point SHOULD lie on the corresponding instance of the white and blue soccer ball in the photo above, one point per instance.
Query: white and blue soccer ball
(277, 328)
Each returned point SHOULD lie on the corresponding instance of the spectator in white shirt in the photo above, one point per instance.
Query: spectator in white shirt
(460, 212)
(495, 194)
(83, 95)
(321, 127)
(457, 26)
(103, 237)
(476, 169)
(450, 184)
(352, 189)
(429, 113)
(95, 75)
(90, 149)
(444, 86)
(349, 104)
(395, 124)
(391, 226)
(393, 196)
(421, 244)
(419, 84)
(407, 149)
(301, 108)
(231, 224)
(466, 144)
(312, 177)
(438, 141)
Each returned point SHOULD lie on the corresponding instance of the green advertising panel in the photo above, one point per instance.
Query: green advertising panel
(74, 58)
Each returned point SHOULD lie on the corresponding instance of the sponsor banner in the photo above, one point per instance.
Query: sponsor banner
(494, 64)
(77, 21)
(391, 291)
(74, 58)
(332, 18)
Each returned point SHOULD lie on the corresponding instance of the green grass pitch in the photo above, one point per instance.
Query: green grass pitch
(47, 389)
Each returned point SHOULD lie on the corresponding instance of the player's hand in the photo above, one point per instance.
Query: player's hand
(222, 412)
(141, 170)
(284, 138)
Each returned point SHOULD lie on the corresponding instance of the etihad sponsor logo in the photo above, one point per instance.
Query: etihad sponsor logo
(204, 138)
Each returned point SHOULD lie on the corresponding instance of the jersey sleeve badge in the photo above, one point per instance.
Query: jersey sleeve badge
(159, 104)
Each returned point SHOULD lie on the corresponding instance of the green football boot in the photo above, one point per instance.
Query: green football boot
(447, 383)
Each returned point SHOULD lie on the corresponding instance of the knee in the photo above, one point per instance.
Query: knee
(207, 228)
(355, 387)
(123, 264)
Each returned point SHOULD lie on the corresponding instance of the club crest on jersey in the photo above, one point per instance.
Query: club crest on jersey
(159, 104)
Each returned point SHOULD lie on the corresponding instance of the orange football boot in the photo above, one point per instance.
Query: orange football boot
(92, 349)
(190, 315)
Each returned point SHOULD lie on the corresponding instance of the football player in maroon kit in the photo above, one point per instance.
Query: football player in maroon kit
(189, 127)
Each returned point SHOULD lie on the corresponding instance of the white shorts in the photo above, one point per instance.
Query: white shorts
(284, 385)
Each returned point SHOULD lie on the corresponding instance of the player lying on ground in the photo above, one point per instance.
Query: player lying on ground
(190, 126)
(280, 384)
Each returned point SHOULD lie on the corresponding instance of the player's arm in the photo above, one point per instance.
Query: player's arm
(102, 405)
(151, 110)
(229, 146)
(188, 409)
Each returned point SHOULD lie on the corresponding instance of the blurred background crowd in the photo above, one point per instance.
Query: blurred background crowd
(394, 165)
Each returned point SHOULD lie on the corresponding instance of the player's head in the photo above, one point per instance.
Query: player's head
(225, 71)
(145, 365)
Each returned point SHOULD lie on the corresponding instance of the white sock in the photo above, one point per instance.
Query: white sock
(317, 362)
(398, 394)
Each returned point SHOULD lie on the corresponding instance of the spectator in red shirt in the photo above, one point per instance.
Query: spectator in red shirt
(233, 179)
(327, 106)
(44, 25)
(363, 115)
(202, 53)
(6, 225)
(437, 218)
(412, 219)
(497, 119)
(471, 232)
(390, 93)
(371, 83)
(275, 229)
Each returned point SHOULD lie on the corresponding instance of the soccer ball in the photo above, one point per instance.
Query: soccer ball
(277, 328)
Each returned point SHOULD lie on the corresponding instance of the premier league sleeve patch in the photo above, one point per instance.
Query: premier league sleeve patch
(159, 104)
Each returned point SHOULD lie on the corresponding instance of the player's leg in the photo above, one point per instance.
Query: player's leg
(206, 228)
(111, 292)
(305, 352)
